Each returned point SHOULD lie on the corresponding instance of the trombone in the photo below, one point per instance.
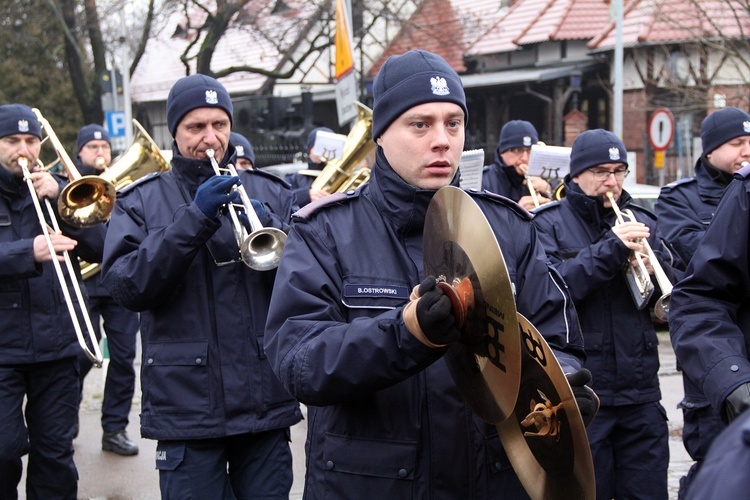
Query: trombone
(645, 285)
(261, 248)
(87, 200)
(96, 355)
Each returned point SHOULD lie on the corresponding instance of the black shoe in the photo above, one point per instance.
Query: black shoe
(118, 442)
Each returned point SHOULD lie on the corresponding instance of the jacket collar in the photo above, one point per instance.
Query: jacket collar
(403, 204)
(591, 208)
(711, 181)
(11, 186)
(191, 173)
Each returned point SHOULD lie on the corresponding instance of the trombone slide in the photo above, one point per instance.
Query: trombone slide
(96, 355)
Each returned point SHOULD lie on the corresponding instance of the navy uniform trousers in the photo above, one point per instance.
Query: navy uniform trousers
(51, 389)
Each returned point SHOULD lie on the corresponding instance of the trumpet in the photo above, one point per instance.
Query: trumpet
(96, 355)
(261, 248)
(87, 200)
(643, 280)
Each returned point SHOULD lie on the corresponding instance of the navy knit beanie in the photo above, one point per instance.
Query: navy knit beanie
(91, 132)
(517, 134)
(313, 134)
(722, 126)
(595, 147)
(18, 119)
(413, 78)
(195, 91)
(242, 146)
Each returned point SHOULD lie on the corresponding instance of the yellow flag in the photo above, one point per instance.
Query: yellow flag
(344, 57)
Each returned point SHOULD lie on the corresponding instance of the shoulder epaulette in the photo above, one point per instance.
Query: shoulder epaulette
(138, 182)
(743, 173)
(546, 206)
(679, 182)
(306, 212)
(518, 209)
(268, 175)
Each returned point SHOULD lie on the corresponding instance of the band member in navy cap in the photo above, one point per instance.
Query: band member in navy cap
(244, 151)
(345, 337)
(709, 315)
(506, 176)
(685, 209)
(120, 325)
(210, 398)
(38, 344)
(629, 436)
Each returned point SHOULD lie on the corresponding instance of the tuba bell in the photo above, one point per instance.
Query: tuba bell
(340, 175)
(141, 158)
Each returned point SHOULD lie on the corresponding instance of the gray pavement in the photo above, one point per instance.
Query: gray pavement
(108, 476)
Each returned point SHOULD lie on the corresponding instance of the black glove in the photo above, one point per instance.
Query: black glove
(214, 193)
(588, 401)
(737, 402)
(435, 314)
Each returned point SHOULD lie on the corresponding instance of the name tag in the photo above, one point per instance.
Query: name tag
(391, 291)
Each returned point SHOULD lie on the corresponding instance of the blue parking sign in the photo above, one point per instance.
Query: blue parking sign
(116, 123)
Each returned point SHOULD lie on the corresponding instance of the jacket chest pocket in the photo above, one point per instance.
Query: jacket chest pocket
(374, 293)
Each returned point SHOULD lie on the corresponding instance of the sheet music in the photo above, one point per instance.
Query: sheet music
(472, 163)
(549, 162)
(329, 145)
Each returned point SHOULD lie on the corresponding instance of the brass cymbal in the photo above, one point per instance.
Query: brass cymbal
(461, 249)
(545, 438)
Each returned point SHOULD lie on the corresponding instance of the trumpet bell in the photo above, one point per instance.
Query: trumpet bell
(87, 201)
(261, 250)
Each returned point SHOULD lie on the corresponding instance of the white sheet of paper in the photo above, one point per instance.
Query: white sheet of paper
(472, 163)
(549, 162)
(329, 145)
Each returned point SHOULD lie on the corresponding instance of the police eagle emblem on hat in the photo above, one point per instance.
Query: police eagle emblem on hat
(439, 86)
(212, 97)
(746, 126)
(97, 135)
(240, 150)
(527, 140)
(614, 153)
(23, 125)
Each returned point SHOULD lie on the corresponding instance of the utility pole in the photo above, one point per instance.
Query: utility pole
(618, 84)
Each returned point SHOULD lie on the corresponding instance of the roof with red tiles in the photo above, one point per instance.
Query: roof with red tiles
(664, 21)
(434, 27)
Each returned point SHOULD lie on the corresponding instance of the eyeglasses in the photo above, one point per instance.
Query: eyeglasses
(520, 151)
(603, 174)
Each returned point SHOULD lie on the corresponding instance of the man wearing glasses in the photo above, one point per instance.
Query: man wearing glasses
(506, 176)
(628, 437)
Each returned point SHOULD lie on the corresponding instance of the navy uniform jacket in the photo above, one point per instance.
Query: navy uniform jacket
(724, 471)
(501, 179)
(709, 313)
(621, 343)
(686, 207)
(35, 325)
(386, 419)
(204, 372)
